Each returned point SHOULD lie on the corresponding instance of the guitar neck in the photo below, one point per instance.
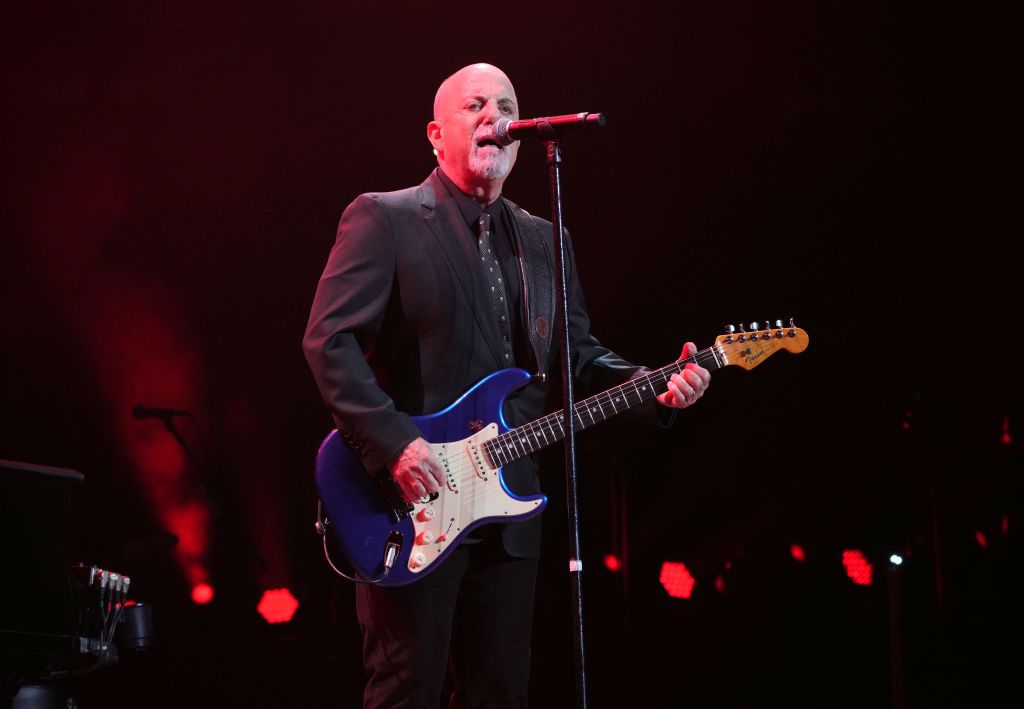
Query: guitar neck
(547, 430)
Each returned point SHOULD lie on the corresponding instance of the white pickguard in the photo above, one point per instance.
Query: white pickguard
(474, 492)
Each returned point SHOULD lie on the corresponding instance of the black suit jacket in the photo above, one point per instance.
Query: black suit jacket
(402, 325)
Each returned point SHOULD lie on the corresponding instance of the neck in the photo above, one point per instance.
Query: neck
(540, 433)
(484, 192)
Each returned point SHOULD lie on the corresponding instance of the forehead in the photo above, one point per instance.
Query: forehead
(481, 83)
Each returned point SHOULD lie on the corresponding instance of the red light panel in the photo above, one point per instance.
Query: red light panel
(612, 563)
(676, 579)
(858, 568)
(202, 593)
(277, 605)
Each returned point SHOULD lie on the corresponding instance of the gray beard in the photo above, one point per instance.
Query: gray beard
(490, 168)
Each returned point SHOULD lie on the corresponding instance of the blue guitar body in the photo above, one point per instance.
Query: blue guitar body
(372, 525)
(364, 518)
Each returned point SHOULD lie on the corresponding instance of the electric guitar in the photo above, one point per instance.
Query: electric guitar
(391, 542)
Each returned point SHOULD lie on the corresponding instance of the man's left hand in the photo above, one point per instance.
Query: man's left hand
(689, 385)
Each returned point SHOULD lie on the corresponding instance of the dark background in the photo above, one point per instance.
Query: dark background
(173, 178)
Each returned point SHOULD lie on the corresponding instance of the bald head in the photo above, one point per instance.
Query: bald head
(455, 81)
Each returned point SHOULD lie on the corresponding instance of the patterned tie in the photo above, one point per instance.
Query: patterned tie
(495, 285)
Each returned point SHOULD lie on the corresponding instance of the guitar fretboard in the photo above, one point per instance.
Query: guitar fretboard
(540, 433)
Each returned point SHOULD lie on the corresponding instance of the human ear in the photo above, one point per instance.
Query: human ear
(436, 137)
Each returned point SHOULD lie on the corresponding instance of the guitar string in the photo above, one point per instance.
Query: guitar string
(602, 400)
(587, 406)
(533, 427)
(598, 403)
(461, 466)
(479, 492)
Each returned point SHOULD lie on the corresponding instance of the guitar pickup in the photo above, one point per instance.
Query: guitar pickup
(441, 451)
(481, 464)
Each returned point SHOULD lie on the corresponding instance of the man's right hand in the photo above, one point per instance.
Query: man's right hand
(417, 470)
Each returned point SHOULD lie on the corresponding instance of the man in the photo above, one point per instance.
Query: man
(426, 291)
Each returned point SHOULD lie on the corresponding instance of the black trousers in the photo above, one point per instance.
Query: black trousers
(473, 614)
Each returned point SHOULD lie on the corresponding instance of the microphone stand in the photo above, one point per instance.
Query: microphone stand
(554, 160)
(217, 502)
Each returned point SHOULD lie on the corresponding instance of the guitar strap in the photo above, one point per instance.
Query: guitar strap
(537, 273)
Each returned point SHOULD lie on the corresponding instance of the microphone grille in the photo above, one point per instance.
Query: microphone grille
(501, 135)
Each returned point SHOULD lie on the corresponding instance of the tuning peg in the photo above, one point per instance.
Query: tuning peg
(791, 323)
(778, 324)
(741, 328)
(730, 329)
(755, 325)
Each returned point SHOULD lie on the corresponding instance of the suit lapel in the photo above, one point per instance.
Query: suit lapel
(442, 216)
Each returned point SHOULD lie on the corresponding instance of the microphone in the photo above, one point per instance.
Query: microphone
(507, 131)
(144, 412)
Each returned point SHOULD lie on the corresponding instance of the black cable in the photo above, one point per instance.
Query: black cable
(199, 433)
(391, 551)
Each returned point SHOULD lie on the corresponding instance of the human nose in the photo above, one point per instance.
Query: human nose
(491, 113)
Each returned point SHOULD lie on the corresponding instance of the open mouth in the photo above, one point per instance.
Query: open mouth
(488, 141)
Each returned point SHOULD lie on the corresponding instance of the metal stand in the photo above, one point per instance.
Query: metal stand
(554, 159)
(896, 684)
(213, 497)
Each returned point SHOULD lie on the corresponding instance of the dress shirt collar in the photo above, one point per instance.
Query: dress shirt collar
(470, 208)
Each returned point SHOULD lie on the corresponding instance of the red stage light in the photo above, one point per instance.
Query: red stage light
(720, 583)
(982, 540)
(797, 552)
(612, 563)
(202, 593)
(676, 579)
(277, 605)
(857, 567)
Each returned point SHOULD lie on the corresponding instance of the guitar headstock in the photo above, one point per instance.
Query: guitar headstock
(748, 349)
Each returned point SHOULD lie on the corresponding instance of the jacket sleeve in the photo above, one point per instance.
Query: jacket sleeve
(596, 367)
(348, 309)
